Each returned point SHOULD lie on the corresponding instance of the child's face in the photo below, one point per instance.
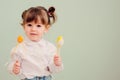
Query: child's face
(34, 31)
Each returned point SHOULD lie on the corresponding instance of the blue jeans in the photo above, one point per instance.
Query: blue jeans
(40, 78)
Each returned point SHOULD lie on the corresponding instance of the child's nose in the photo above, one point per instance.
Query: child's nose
(33, 28)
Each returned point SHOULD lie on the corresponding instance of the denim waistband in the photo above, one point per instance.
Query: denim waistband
(40, 78)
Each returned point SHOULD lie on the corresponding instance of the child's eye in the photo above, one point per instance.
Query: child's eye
(38, 25)
(29, 25)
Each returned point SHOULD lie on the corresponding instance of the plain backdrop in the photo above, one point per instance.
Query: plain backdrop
(90, 28)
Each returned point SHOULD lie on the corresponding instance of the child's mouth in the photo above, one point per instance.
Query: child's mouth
(33, 34)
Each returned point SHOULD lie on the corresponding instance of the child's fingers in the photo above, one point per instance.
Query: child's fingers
(57, 58)
(17, 64)
(16, 71)
(16, 68)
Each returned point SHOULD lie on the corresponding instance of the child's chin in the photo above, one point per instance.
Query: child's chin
(35, 40)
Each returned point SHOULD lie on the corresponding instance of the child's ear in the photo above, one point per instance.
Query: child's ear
(47, 28)
(23, 25)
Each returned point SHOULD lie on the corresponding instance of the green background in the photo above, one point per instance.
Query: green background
(91, 30)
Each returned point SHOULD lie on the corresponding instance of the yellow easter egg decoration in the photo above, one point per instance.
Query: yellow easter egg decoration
(59, 38)
(20, 39)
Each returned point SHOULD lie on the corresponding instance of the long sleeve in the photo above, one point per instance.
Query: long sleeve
(14, 57)
(53, 68)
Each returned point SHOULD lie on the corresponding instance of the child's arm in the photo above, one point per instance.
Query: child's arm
(54, 59)
(56, 64)
(14, 64)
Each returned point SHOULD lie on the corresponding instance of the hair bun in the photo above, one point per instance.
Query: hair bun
(51, 10)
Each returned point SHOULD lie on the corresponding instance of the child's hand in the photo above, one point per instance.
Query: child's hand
(16, 67)
(57, 60)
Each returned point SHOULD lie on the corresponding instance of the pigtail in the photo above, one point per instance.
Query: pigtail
(51, 14)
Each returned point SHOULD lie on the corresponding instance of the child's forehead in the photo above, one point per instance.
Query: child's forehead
(37, 20)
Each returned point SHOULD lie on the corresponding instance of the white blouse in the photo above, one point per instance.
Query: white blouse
(35, 59)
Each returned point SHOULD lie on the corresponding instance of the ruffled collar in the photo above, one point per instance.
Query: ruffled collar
(29, 42)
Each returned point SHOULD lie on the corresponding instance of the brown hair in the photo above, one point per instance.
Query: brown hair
(47, 17)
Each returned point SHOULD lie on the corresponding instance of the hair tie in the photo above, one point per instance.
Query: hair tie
(51, 10)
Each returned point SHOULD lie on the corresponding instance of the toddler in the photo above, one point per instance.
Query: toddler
(36, 58)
